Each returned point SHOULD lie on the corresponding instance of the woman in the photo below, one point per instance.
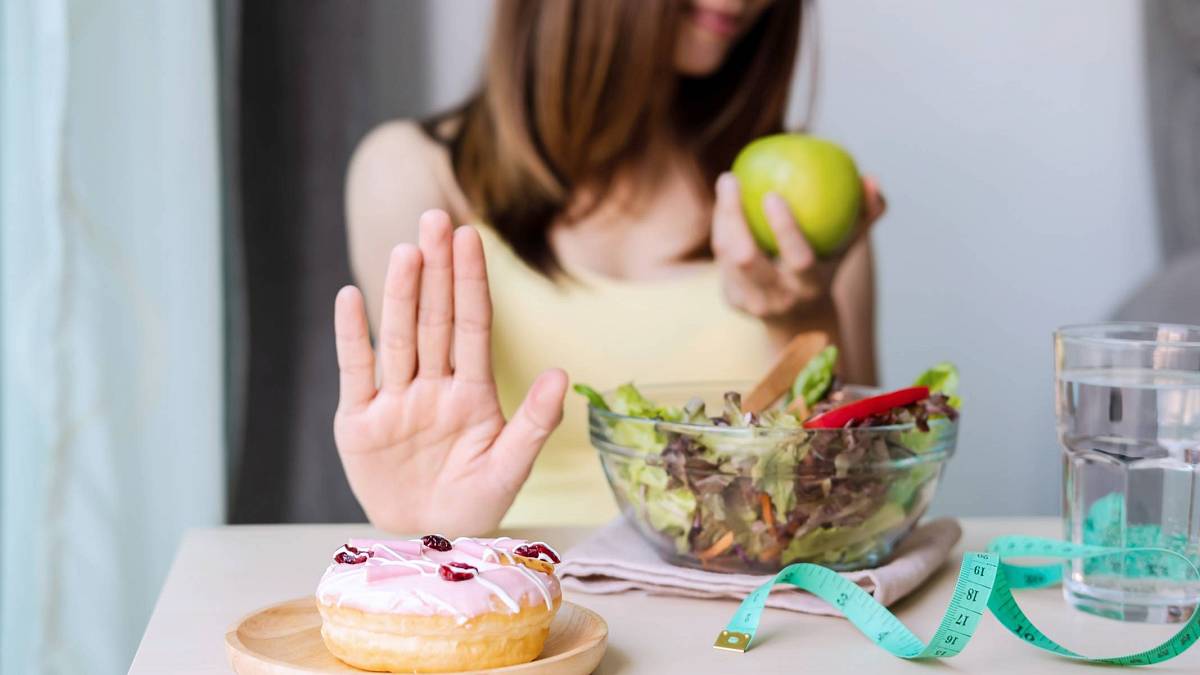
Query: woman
(591, 163)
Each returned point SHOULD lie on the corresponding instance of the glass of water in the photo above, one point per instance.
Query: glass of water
(1128, 405)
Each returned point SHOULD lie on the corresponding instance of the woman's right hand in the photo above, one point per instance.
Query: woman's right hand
(428, 448)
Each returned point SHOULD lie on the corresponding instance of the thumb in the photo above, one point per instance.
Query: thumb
(522, 438)
(731, 240)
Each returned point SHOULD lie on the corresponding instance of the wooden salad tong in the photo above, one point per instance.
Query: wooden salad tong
(779, 378)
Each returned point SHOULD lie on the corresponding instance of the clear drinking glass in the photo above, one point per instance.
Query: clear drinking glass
(1127, 397)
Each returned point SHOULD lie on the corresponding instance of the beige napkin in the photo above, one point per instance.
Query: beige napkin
(616, 559)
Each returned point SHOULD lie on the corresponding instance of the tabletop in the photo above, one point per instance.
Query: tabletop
(222, 574)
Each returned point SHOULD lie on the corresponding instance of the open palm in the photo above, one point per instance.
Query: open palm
(427, 449)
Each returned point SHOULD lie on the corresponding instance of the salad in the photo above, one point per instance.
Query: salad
(830, 474)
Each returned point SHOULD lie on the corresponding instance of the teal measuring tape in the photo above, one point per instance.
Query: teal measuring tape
(985, 582)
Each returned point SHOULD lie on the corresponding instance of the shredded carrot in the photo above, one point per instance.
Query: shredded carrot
(718, 547)
(768, 516)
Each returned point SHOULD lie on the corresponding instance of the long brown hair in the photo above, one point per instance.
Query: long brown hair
(576, 90)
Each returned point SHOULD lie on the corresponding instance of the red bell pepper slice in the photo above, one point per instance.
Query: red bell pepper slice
(866, 407)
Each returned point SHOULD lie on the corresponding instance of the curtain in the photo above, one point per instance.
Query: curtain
(301, 82)
(110, 319)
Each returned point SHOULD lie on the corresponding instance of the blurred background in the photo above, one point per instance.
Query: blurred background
(173, 236)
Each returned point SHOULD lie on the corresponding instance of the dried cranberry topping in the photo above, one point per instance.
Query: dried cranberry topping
(536, 550)
(349, 555)
(448, 572)
(436, 542)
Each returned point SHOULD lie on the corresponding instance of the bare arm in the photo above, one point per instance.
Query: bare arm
(394, 176)
(854, 298)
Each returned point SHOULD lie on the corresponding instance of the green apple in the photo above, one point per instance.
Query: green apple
(817, 179)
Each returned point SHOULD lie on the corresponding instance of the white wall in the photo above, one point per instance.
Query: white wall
(1010, 140)
(458, 35)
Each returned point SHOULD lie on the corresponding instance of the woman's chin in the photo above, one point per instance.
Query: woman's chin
(697, 68)
(698, 60)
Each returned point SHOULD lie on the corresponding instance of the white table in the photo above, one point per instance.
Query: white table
(221, 574)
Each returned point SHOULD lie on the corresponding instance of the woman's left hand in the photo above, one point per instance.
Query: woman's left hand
(793, 282)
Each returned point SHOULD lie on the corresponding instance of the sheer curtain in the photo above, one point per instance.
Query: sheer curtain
(111, 324)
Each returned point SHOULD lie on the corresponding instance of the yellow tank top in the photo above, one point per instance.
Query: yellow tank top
(603, 331)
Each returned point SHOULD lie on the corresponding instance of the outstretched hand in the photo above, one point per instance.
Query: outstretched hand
(427, 449)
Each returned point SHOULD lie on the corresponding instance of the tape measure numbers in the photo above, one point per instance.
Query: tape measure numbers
(985, 583)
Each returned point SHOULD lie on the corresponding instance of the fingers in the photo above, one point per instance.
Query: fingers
(523, 436)
(435, 314)
(731, 236)
(874, 206)
(794, 251)
(733, 246)
(398, 324)
(472, 309)
(356, 360)
(874, 203)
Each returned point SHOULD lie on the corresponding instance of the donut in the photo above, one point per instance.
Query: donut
(433, 605)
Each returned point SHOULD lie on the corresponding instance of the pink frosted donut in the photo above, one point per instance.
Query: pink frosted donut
(432, 605)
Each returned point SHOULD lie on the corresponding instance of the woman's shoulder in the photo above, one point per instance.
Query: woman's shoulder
(398, 168)
(400, 140)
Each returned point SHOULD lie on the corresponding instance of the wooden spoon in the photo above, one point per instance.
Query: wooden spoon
(784, 371)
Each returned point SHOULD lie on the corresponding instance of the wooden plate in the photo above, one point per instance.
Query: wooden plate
(286, 638)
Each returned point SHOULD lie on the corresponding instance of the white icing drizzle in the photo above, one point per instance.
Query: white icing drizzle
(434, 600)
(541, 585)
(498, 592)
(422, 566)
(389, 549)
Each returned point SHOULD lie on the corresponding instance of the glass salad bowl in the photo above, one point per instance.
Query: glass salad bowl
(754, 499)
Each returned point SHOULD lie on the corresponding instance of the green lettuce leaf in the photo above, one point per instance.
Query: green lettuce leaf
(592, 395)
(942, 378)
(693, 412)
(671, 514)
(627, 400)
(813, 381)
(905, 487)
(779, 419)
(668, 511)
(775, 474)
(639, 435)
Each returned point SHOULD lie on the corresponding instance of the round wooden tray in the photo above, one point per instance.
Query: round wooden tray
(286, 638)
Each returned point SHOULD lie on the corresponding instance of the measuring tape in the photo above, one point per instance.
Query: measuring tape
(985, 582)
